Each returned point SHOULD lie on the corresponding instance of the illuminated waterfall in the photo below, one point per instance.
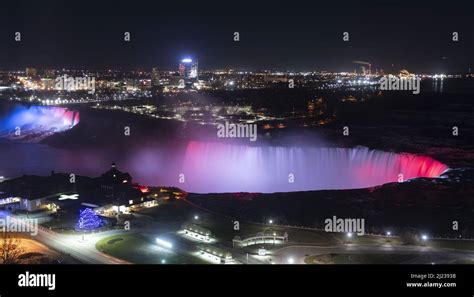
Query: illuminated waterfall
(37, 122)
(215, 167)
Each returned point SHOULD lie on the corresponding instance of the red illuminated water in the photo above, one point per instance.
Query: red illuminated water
(216, 167)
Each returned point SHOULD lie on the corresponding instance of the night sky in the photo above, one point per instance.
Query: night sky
(280, 35)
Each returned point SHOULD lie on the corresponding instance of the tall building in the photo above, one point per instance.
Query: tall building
(155, 77)
(4, 78)
(49, 73)
(188, 68)
(31, 72)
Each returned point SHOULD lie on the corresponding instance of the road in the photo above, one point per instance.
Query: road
(84, 251)
(72, 245)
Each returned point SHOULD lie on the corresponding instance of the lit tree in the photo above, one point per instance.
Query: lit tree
(10, 249)
(88, 220)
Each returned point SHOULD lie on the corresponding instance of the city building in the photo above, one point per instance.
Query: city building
(110, 194)
(49, 73)
(114, 176)
(188, 68)
(215, 254)
(59, 190)
(197, 232)
(155, 77)
(31, 72)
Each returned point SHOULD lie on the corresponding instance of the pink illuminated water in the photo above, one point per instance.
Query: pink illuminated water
(216, 167)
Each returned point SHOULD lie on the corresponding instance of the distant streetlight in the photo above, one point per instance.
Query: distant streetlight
(424, 237)
(291, 261)
(163, 261)
(196, 218)
(349, 235)
(389, 233)
(270, 221)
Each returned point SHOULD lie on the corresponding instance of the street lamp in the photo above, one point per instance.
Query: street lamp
(270, 221)
(291, 261)
(349, 235)
(81, 226)
(389, 233)
(196, 217)
(424, 237)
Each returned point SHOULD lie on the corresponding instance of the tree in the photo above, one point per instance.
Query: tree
(10, 248)
(88, 220)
